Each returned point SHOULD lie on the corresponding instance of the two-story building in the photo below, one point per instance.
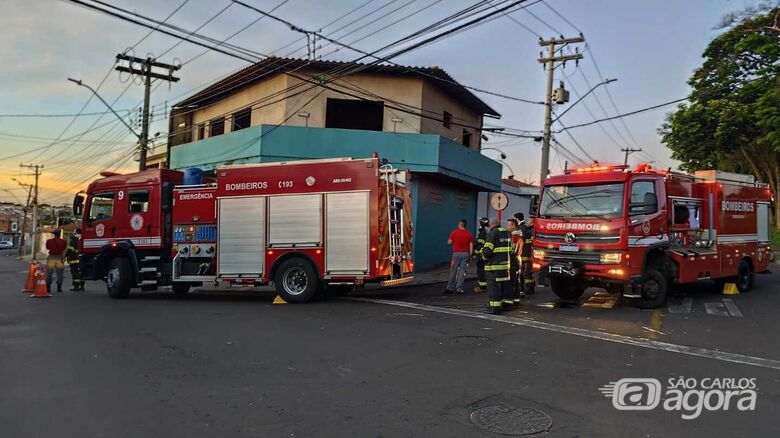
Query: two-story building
(419, 119)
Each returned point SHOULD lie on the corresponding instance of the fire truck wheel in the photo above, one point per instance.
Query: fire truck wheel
(654, 288)
(566, 288)
(745, 276)
(118, 281)
(181, 288)
(297, 281)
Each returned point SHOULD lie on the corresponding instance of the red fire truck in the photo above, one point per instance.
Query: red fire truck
(638, 231)
(305, 226)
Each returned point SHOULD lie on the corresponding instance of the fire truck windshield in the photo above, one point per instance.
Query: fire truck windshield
(602, 201)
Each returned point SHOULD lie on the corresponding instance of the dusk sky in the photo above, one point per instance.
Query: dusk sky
(651, 47)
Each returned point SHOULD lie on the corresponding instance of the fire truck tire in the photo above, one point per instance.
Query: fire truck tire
(119, 278)
(296, 281)
(181, 288)
(745, 276)
(654, 288)
(567, 288)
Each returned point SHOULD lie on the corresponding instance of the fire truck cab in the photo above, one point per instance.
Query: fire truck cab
(303, 226)
(639, 231)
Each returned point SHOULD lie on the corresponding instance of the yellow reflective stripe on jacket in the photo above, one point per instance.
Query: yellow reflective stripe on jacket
(489, 245)
(501, 267)
(480, 240)
(503, 249)
(502, 279)
(495, 303)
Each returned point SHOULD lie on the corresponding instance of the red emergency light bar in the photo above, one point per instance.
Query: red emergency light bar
(596, 168)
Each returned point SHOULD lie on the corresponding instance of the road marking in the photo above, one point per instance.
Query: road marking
(732, 307)
(726, 308)
(655, 324)
(716, 309)
(675, 305)
(609, 337)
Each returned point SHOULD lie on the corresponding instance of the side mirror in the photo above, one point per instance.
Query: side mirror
(78, 206)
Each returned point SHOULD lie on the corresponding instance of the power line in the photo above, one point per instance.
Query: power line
(213, 17)
(231, 36)
(562, 17)
(155, 29)
(650, 108)
(31, 115)
(344, 71)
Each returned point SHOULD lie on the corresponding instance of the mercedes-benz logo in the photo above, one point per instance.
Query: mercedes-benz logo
(569, 237)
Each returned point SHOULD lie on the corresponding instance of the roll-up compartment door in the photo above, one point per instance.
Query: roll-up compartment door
(295, 220)
(346, 238)
(241, 236)
(762, 216)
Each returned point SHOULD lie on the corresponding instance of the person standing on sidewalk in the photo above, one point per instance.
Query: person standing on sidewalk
(462, 242)
(56, 246)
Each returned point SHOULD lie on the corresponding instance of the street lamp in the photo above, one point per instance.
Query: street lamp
(503, 155)
(607, 81)
(501, 160)
(82, 84)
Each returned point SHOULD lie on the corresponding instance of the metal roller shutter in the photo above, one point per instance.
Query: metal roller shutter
(295, 220)
(241, 237)
(346, 222)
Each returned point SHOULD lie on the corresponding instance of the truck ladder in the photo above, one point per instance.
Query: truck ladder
(394, 213)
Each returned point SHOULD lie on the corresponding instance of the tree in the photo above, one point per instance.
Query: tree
(732, 120)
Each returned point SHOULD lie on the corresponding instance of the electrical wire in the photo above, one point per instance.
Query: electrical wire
(642, 110)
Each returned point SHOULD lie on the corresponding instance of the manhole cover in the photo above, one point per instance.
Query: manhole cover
(508, 420)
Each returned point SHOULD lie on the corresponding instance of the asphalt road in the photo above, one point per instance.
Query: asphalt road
(215, 364)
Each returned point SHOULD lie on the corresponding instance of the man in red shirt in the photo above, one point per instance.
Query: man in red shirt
(462, 242)
(56, 246)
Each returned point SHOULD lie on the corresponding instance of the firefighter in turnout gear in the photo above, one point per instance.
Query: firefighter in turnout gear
(514, 262)
(71, 255)
(526, 253)
(496, 253)
(481, 236)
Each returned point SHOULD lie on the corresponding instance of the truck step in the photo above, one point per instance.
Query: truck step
(148, 283)
(150, 258)
(148, 269)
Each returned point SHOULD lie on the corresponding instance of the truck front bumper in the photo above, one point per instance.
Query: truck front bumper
(590, 274)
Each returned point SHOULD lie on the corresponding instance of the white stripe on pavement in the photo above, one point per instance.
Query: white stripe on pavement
(609, 337)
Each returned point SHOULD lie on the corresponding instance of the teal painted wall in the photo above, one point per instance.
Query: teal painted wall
(416, 152)
(437, 209)
(446, 175)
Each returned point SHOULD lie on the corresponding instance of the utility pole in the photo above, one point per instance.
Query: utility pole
(145, 70)
(551, 62)
(37, 169)
(25, 210)
(628, 152)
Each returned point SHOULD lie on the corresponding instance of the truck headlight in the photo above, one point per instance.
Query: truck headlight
(610, 257)
(539, 254)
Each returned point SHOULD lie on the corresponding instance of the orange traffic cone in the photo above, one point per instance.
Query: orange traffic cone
(40, 285)
(29, 286)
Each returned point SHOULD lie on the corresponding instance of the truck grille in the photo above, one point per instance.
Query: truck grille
(581, 238)
(587, 257)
